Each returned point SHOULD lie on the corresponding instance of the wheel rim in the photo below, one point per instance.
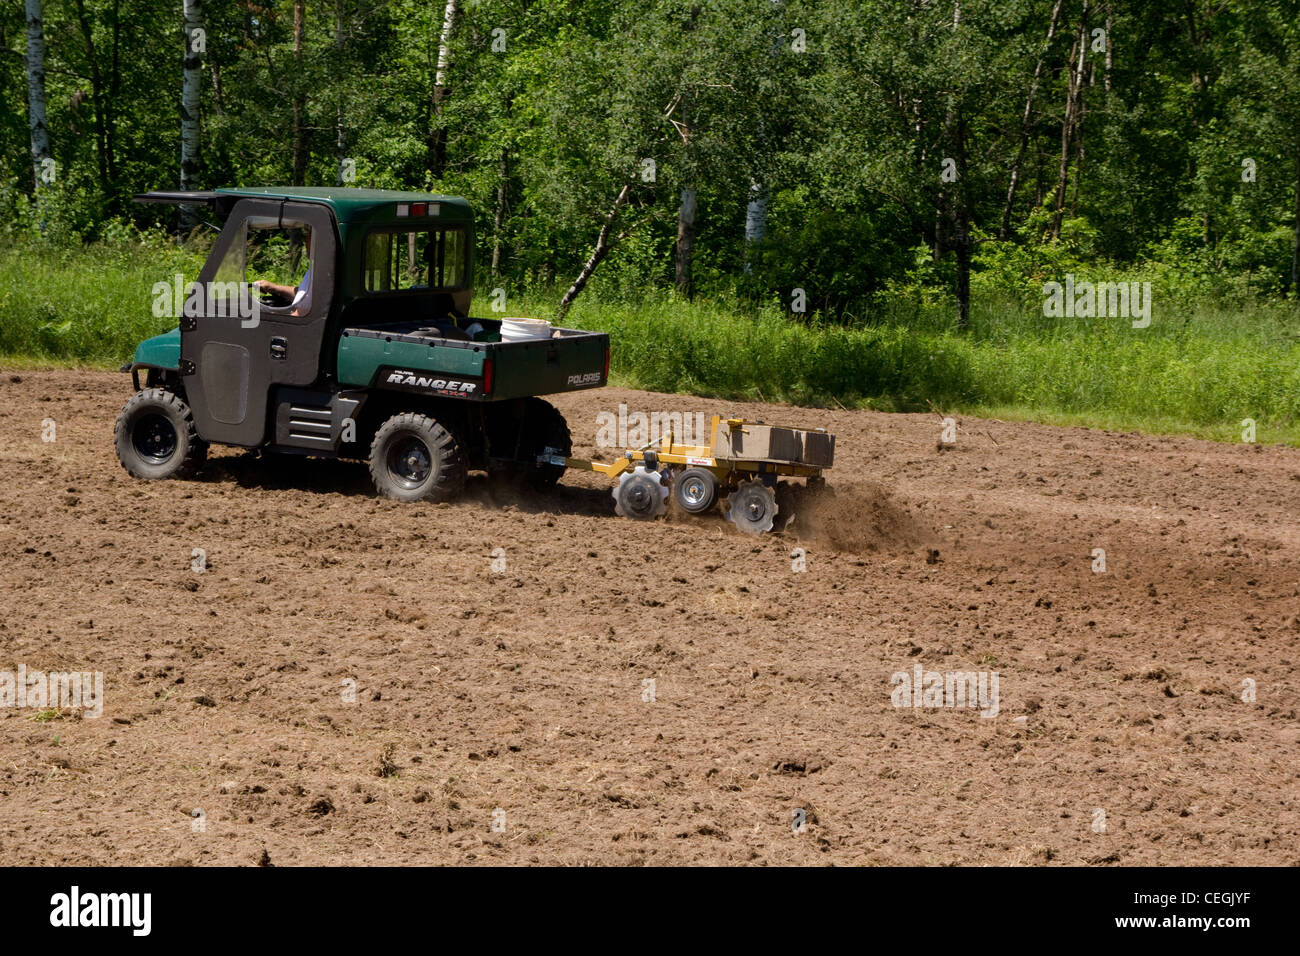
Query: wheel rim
(154, 438)
(409, 462)
(695, 492)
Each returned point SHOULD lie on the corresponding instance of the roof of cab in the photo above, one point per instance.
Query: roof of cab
(350, 204)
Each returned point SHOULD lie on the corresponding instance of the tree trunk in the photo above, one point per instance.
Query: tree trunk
(1025, 117)
(340, 146)
(437, 146)
(1078, 158)
(961, 224)
(1073, 93)
(1110, 61)
(191, 75)
(114, 90)
(945, 211)
(755, 221)
(1294, 284)
(498, 221)
(1040, 189)
(40, 131)
(298, 175)
(957, 200)
(685, 246)
(603, 245)
(685, 241)
(96, 92)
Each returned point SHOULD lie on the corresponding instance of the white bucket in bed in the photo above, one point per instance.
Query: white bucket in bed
(521, 330)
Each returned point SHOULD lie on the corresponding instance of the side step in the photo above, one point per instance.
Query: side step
(314, 420)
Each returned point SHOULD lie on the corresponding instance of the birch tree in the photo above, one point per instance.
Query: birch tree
(40, 131)
(1027, 115)
(1071, 121)
(340, 141)
(191, 75)
(437, 127)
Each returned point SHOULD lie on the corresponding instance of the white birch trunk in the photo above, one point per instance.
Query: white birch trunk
(444, 44)
(36, 90)
(192, 74)
(755, 221)
(339, 141)
(437, 139)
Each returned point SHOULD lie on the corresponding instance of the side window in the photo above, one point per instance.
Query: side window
(231, 267)
(453, 258)
(276, 251)
(378, 262)
(269, 261)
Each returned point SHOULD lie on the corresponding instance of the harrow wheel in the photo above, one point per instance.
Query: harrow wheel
(640, 495)
(695, 490)
(752, 507)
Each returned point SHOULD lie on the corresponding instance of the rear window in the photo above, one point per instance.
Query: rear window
(398, 260)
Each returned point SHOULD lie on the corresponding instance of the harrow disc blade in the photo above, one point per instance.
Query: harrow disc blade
(752, 507)
(640, 495)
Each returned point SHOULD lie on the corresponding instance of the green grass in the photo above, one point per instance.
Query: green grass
(1201, 372)
(1198, 369)
(88, 304)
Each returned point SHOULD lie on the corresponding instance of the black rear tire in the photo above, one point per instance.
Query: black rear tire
(155, 437)
(538, 426)
(414, 458)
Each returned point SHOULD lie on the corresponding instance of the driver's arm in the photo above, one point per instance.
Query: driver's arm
(285, 292)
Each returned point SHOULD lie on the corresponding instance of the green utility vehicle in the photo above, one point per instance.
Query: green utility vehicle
(336, 323)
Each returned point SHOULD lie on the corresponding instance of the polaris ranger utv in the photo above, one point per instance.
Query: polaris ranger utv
(335, 322)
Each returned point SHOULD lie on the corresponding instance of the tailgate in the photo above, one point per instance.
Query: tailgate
(568, 362)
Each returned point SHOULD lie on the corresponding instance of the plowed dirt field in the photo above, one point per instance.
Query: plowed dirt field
(505, 714)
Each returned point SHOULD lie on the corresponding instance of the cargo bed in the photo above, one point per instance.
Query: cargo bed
(419, 356)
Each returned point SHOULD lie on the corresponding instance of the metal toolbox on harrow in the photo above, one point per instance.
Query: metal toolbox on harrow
(754, 441)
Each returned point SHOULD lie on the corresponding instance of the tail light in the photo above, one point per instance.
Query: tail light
(606, 364)
(487, 376)
(408, 209)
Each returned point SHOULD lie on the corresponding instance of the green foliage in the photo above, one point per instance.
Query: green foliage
(841, 113)
(1180, 170)
(1203, 370)
(91, 303)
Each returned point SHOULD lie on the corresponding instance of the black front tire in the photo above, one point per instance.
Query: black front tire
(155, 437)
(414, 458)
